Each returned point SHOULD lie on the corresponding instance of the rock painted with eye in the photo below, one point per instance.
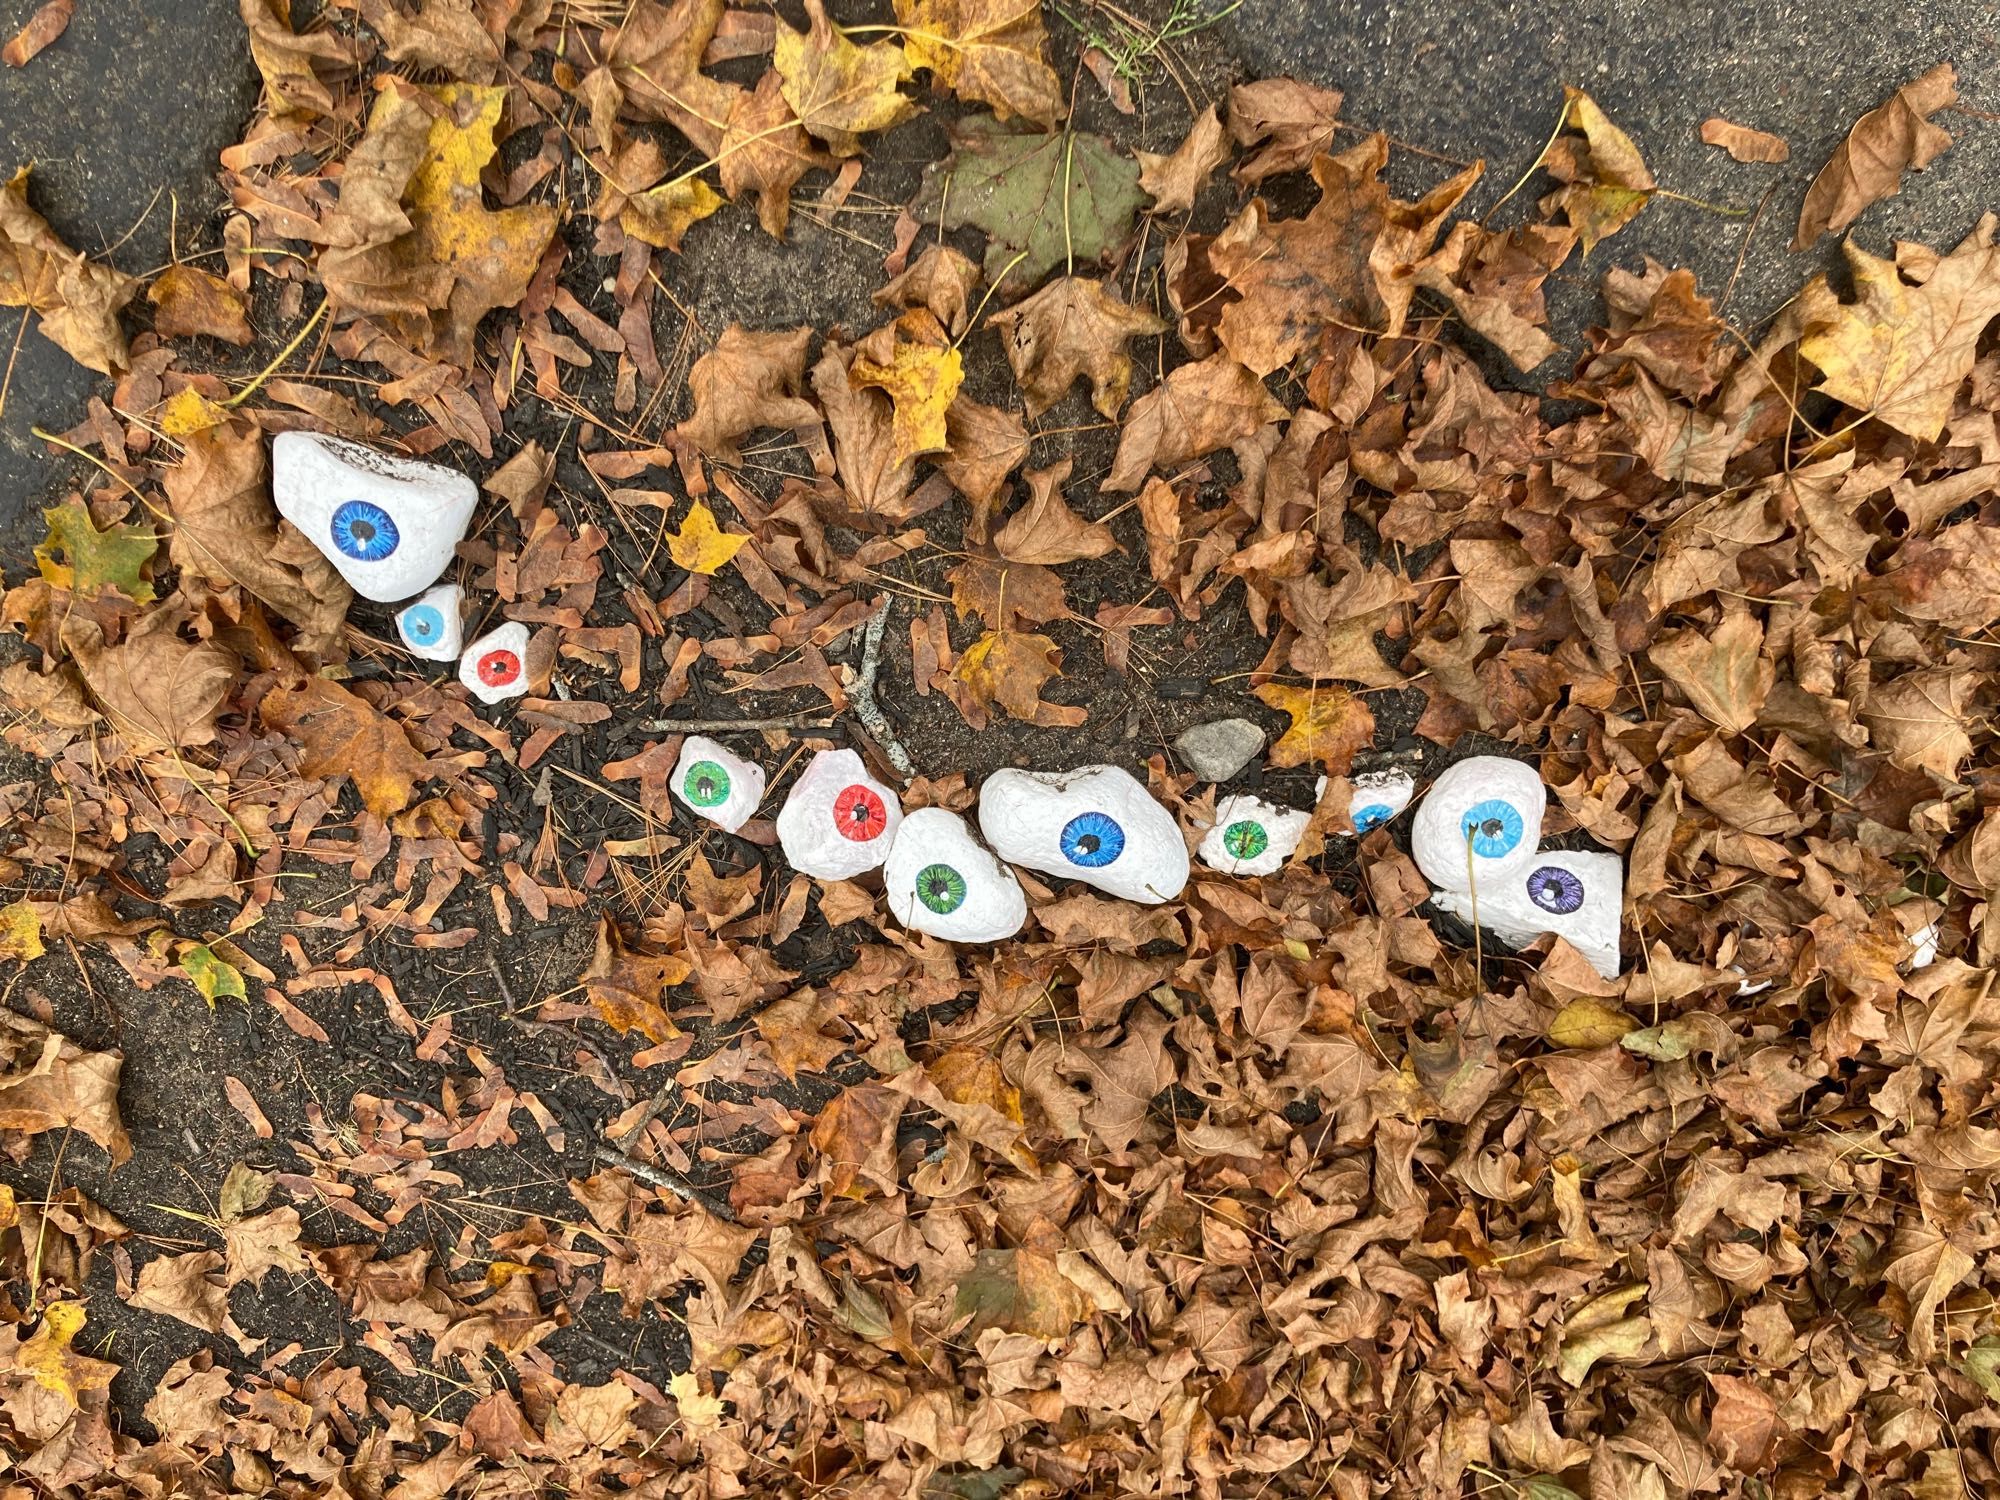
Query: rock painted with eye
(387, 524)
(1378, 797)
(495, 667)
(1096, 824)
(1578, 896)
(943, 881)
(838, 821)
(717, 784)
(431, 626)
(1252, 836)
(1480, 825)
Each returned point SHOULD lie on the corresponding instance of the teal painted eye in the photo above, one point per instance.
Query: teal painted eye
(1092, 840)
(941, 888)
(1245, 840)
(1374, 815)
(1492, 827)
(706, 784)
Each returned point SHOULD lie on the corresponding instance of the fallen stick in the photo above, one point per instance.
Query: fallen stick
(677, 1183)
(726, 726)
(862, 694)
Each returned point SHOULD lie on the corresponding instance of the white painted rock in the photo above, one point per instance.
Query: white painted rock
(1096, 824)
(716, 783)
(1481, 822)
(388, 524)
(495, 667)
(943, 881)
(431, 626)
(1579, 897)
(1378, 797)
(838, 821)
(1252, 836)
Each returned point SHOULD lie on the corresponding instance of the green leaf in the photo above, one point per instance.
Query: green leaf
(1982, 1366)
(209, 974)
(20, 932)
(990, 1485)
(77, 556)
(1544, 1487)
(244, 1190)
(1022, 1291)
(1061, 199)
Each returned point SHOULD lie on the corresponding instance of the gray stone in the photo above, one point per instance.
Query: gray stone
(1217, 750)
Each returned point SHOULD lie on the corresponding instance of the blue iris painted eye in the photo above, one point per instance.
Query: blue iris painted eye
(1092, 840)
(1494, 827)
(364, 531)
(422, 624)
(1555, 890)
(1374, 815)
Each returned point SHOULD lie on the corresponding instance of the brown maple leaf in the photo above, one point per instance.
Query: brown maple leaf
(157, 689)
(1293, 121)
(855, 1136)
(1744, 143)
(627, 987)
(1045, 530)
(188, 301)
(1197, 409)
(1007, 669)
(340, 733)
(1605, 179)
(942, 280)
(1891, 139)
(1175, 178)
(841, 91)
(983, 445)
(874, 473)
(988, 51)
(50, 1083)
(988, 588)
(1722, 669)
(766, 151)
(654, 57)
(1073, 329)
(79, 299)
(747, 381)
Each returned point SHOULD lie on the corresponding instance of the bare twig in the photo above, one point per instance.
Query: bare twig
(862, 694)
(677, 1183)
(725, 726)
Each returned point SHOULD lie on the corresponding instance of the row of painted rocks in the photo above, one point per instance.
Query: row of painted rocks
(390, 526)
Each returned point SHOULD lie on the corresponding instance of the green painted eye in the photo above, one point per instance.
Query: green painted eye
(706, 784)
(1245, 840)
(941, 888)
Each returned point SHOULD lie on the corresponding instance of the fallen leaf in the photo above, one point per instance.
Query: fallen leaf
(654, 54)
(1743, 143)
(920, 375)
(855, 1135)
(289, 63)
(79, 299)
(1606, 181)
(1722, 670)
(156, 688)
(1045, 530)
(747, 381)
(1174, 179)
(255, 1246)
(51, 1361)
(1329, 724)
(766, 151)
(1598, 1331)
(700, 545)
(661, 215)
(1899, 352)
(1197, 409)
(1007, 669)
(215, 978)
(1586, 1022)
(183, 1287)
(20, 932)
(1923, 719)
(840, 91)
(987, 52)
(78, 557)
(984, 444)
(941, 280)
(1893, 138)
(1289, 123)
(42, 28)
(626, 987)
(187, 301)
(1073, 329)
(875, 479)
(1043, 200)
(63, 1088)
(699, 1411)
(340, 733)
(1020, 1291)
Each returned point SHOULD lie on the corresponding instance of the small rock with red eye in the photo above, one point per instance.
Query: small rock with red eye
(495, 667)
(839, 821)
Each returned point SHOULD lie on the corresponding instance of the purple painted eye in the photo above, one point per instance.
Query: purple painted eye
(1555, 889)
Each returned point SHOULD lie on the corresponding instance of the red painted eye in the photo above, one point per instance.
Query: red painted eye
(498, 668)
(858, 813)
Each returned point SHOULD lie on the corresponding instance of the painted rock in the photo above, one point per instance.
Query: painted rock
(495, 667)
(1378, 797)
(1579, 897)
(1481, 823)
(1096, 824)
(1252, 836)
(716, 783)
(388, 524)
(431, 626)
(838, 821)
(943, 881)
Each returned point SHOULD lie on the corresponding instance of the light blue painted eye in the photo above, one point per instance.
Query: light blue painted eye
(423, 624)
(1374, 815)
(364, 531)
(1493, 827)
(1092, 840)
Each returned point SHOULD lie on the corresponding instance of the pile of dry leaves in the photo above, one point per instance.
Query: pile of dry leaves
(1271, 1190)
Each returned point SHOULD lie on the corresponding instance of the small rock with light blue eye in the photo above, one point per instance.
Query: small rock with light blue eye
(388, 524)
(431, 626)
(1378, 797)
(1096, 824)
(1479, 825)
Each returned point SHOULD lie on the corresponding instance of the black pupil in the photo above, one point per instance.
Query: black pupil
(940, 886)
(861, 812)
(1088, 844)
(1491, 828)
(1552, 891)
(363, 531)
(706, 787)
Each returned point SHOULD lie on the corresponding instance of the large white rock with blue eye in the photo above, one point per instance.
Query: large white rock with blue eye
(388, 524)
(716, 783)
(943, 881)
(1579, 897)
(1378, 797)
(1096, 824)
(1252, 836)
(431, 625)
(839, 821)
(1480, 825)
(495, 667)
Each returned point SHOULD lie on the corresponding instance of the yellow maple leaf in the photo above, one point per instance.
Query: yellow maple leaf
(700, 545)
(989, 51)
(1005, 669)
(1328, 725)
(921, 380)
(699, 1412)
(20, 932)
(661, 215)
(53, 1364)
(187, 412)
(838, 90)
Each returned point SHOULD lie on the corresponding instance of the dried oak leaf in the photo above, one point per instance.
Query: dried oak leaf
(1743, 143)
(1329, 724)
(1900, 351)
(654, 55)
(942, 280)
(840, 91)
(915, 364)
(1006, 669)
(41, 31)
(1723, 671)
(626, 987)
(1891, 139)
(985, 51)
(227, 531)
(1042, 199)
(187, 301)
(79, 299)
(340, 733)
(1289, 122)
(765, 150)
(158, 690)
(61, 1087)
(700, 545)
(747, 381)
(1605, 179)
(1045, 530)
(78, 557)
(412, 242)
(1172, 180)
(1073, 329)
(1197, 409)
